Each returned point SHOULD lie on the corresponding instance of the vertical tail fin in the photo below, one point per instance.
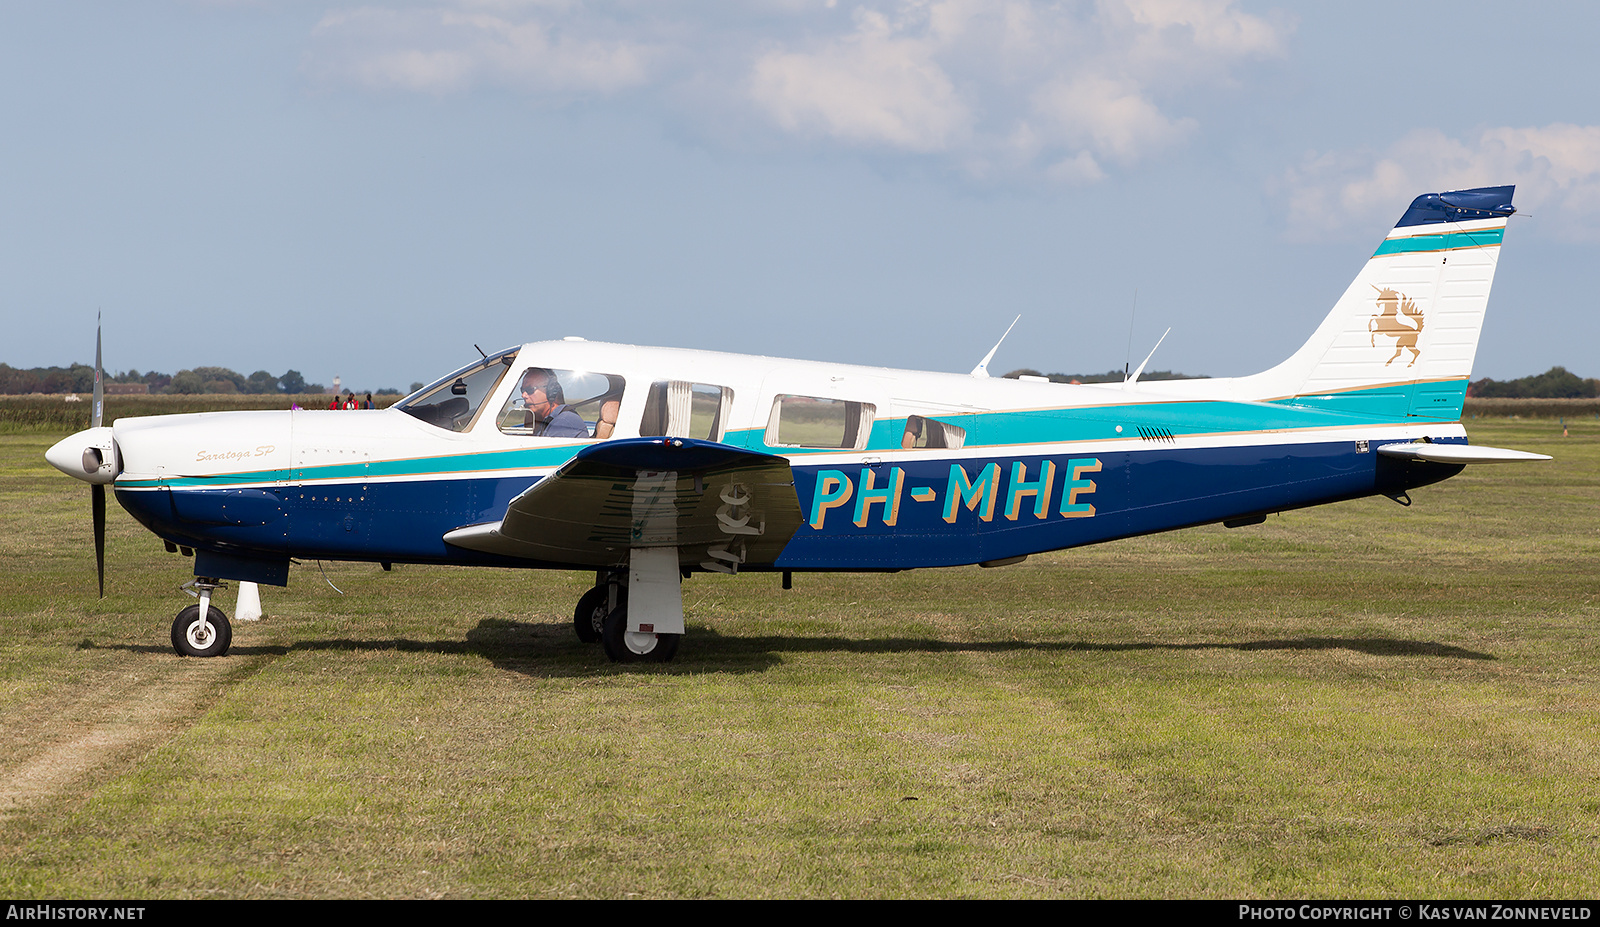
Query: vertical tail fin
(1402, 338)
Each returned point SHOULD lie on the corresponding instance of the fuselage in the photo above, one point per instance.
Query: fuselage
(893, 469)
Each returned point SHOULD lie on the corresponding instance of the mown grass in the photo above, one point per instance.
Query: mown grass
(1587, 409)
(1356, 700)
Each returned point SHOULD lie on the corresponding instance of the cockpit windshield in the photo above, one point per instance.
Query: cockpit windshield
(453, 402)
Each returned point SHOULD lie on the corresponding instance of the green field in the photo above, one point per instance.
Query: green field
(1352, 701)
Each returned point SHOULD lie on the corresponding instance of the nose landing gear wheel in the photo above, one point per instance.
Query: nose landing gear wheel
(192, 637)
(624, 646)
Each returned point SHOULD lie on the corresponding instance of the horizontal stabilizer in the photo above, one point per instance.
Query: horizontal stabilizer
(1457, 453)
(721, 506)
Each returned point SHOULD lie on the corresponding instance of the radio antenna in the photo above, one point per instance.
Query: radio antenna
(1127, 356)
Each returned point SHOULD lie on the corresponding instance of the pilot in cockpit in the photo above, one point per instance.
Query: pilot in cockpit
(548, 414)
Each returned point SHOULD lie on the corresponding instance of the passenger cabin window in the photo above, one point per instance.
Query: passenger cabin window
(555, 403)
(930, 432)
(453, 402)
(809, 421)
(686, 410)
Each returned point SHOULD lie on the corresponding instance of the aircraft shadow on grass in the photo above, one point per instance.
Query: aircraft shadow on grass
(548, 649)
(1374, 646)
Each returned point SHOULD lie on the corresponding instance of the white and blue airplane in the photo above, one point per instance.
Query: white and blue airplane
(645, 465)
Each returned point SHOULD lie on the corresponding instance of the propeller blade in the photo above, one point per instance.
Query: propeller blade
(97, 413)
(97, 500)
(97, 506)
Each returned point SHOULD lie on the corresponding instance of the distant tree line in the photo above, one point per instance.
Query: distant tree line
(1555, 383)
(79, 378)
(1110, 376)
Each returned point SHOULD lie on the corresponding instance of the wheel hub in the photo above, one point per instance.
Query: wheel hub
(640, 642)
(200, 634)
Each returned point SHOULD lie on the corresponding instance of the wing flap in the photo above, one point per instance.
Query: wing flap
(1457, 453)
(722, 507)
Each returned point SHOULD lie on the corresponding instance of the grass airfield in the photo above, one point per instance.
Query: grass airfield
(1352, 701)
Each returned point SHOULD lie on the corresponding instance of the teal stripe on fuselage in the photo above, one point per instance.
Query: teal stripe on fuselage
(533, 458)
(1442, 242)
(1437, 401)
(1379, 405)
(221, 479)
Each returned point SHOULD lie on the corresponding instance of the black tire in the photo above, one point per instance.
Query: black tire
(189, 640)
(589, 618)
(622, 647)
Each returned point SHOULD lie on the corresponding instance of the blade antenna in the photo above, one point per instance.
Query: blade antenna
(982, 370)
(1134, 378)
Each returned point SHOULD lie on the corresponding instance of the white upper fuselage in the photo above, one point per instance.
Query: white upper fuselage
(278, 444)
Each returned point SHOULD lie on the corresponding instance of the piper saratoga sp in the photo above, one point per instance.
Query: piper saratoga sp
(647, 465)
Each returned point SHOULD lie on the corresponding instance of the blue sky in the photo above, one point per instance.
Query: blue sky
(371, 189)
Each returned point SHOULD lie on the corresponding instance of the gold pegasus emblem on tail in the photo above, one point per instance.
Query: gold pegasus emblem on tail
(1392, 307)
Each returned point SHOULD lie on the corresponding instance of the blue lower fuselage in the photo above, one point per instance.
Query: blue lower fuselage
(888, 513)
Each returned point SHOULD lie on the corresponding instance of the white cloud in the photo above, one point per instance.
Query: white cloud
(1109, 117)
(446, 50)
(1556, 169)
(991, 86)
(874, 86)
(1207, 28)
(1081, 168)
(1011, 86)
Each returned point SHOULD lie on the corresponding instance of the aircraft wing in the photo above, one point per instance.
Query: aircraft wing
(722, 506)
(1457, 453)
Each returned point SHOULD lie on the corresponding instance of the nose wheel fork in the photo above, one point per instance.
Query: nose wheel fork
(201, 630)
(609, 593)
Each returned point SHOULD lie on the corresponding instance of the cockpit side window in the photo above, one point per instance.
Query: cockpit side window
(557, 403)
(453, 402)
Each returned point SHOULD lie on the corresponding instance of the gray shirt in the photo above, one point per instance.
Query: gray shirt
(564, 423)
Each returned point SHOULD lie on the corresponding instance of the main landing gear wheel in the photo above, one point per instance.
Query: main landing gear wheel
(590, 616)
(624, 646)
(192, 637)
